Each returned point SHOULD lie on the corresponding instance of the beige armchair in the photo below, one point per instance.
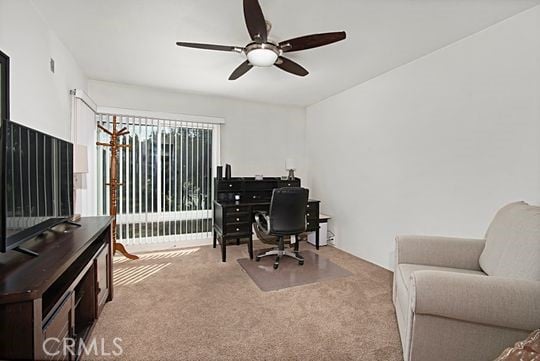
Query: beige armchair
(468, 299)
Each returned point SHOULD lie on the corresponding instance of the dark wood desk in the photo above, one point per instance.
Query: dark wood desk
(234, 219)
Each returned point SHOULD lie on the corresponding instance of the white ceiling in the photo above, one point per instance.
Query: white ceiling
(133, 41)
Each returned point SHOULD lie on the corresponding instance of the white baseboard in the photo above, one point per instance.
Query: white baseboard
(152, 247)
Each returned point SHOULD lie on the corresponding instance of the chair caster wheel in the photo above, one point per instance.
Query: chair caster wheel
(301, 263)
(276, 265)
(257, 259)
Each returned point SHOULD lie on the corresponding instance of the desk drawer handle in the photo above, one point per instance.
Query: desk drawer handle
(230, 185)
(237, 229)
(237, 219)
(307, 214)
(308, 205)
(238, 209)
(289, 184)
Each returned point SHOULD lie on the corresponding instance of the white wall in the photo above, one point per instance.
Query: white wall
(39, 98)
(256, 138)
(433, 147)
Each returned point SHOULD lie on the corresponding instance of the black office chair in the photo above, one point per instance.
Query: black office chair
(287, 217)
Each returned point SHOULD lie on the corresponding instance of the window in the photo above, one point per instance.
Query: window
(166, 176)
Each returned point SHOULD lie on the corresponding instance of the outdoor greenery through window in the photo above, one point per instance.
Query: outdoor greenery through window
(166, 176)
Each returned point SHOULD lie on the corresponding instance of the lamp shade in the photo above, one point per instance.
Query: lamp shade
(80, 159)
(289, 164)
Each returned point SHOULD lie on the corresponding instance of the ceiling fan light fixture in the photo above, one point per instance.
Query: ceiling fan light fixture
(262, 57)
(264, 52)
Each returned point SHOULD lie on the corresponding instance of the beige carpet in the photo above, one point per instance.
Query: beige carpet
(188, 305)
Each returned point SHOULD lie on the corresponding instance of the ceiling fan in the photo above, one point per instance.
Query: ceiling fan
(261, 51)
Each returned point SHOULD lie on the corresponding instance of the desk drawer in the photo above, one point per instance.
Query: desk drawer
(232, 185)
(289, 183)
(232, 218)
(312, 214)
(258, 196)
(260, 185)
(312, 225)
(236, 210)
(238, 228)
(313, 209)
(261, 208)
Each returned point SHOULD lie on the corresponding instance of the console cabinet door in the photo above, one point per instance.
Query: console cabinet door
(102, 279)
(58, 328)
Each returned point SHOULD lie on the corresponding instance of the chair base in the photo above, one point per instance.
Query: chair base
(280, 254)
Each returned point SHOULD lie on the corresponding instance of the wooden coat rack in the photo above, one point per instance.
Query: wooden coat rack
(113, 184)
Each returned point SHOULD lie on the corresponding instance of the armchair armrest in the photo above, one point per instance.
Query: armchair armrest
(440, 251)
(263, 222)
(495, 301)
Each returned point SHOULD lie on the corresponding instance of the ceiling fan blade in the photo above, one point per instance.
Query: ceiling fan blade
(211, 47)
(291, 67)
(311, 41)
(241, 70)
(255, 22)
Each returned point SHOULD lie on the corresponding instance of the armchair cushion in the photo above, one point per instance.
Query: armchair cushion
(406, 270)
(513, 243)
(439, 251)
(488, 300)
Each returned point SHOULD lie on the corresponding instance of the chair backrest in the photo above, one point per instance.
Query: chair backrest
(288, 211)
(513, 243)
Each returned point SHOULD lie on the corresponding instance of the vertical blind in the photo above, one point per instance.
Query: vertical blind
(166, 176)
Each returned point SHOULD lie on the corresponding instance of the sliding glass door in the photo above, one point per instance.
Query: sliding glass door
(166, 175)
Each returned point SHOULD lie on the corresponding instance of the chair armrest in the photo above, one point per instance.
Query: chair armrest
(488, 300)
(263, 221)
(439, 251)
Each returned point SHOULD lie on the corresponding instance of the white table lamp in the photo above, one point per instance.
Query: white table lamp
(289, 165)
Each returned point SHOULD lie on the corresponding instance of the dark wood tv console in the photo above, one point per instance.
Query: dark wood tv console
(59, 294)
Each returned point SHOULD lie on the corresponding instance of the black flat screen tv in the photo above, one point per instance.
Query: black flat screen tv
(38, 192)
(36, 181)
(4, 115)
